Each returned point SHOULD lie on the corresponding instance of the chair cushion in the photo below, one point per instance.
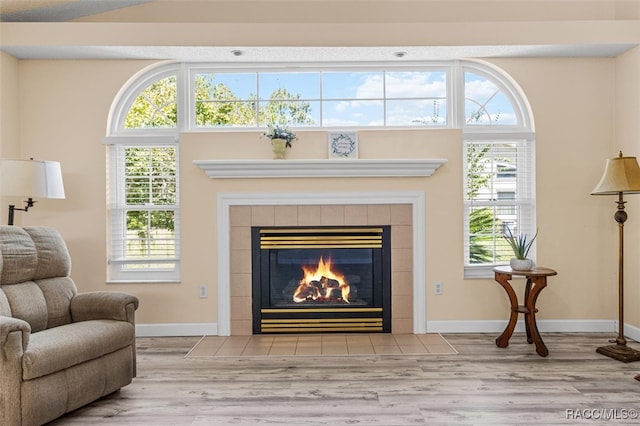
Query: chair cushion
(61, 347)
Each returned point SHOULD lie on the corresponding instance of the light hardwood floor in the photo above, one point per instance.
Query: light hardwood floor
(480, 385)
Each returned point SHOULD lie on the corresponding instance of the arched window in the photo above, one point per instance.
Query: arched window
(152, 108)
(499, 174)
(143, 180)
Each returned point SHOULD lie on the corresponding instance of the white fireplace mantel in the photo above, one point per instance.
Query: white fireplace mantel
(221, 169)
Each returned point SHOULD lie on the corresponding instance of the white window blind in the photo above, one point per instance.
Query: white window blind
(499, 193)
(144, 211)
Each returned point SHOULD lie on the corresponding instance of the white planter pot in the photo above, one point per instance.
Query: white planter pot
(521, 264)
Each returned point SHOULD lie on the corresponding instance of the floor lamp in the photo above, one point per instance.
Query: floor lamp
(621, 176)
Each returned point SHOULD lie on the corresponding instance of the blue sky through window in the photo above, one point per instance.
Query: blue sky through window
(372, 98)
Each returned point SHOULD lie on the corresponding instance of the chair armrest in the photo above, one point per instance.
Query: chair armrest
(14, 339)
(104, 305)
(9, 325)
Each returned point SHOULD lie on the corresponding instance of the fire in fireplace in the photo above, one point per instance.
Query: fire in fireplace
(321, 279)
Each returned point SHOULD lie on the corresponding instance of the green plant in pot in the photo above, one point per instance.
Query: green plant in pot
(520, 244)
(281, 138)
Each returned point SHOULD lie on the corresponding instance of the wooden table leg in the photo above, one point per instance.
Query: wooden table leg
(535, 286)
(503, 340)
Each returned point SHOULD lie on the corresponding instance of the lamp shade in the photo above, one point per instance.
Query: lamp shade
(621, 174)
(31, 178)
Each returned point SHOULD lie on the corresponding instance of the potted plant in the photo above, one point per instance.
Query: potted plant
(520, 245)
(281, 138)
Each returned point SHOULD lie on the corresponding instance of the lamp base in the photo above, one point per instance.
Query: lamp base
(619, 352)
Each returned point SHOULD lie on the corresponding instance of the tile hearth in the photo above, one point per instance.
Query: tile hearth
(321, 345)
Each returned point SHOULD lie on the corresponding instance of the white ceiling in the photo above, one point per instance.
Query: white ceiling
(65, 10)
(311, 54)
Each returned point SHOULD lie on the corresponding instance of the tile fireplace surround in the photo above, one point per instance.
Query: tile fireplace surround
(398, 216)
(403, 211)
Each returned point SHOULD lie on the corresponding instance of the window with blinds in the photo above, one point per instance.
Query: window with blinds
(144, 213)
(499, 194)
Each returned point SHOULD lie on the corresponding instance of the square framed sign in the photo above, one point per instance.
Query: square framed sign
(343, 145)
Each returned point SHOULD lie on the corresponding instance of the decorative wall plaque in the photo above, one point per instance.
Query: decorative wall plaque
(343, 145)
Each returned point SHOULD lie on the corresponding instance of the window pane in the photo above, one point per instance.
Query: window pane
(416, 84)
(150, 234)
(352, 85)
(155, 107)
(486, 103)
(283, 85)
(149, 176)
(417, 113)
(225, 86)
(352, 113)
(224, 99)
(289, 112)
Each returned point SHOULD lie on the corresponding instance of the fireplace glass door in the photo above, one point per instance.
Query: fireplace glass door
(321, 279)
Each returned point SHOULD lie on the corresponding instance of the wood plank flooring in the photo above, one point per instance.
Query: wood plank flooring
(480, 385)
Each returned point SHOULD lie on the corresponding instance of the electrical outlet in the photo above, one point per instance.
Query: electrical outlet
(204, 291)
(437, 287)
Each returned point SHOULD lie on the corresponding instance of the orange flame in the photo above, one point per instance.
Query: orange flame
(321, 283)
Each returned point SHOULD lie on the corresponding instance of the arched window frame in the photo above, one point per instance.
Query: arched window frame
(523, 130)
(119, 139)
(522, 135)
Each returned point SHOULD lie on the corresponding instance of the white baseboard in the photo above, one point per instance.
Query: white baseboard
(490, 326)
(544, 326)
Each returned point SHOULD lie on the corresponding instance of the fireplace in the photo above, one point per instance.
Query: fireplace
(321, 279)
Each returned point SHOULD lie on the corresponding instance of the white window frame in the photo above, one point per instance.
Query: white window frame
(523, 130)
(117, 263)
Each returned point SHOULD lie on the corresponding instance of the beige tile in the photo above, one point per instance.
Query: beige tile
(241, 308)
(240, 237)
(240, 285)
(379, 214)
(432, 339)
(241, 327)
(334, 338)
(331, 215)
(355, 215)
(402, 306)
(407, 339)
(285, 339)
(402, 325)
(402, 236)
(240, 216)
(284, 348)
(240, 261)
(319, 345)
(257, 350)
(401, 283)
(262, 215)
(413, 349)
(401, 214)
(382, 350)
(382, 339)
(286, 215)
(308, 215)
(401, 259)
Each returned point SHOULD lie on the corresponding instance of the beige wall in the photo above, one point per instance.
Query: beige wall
(627, 126)
(63, 114)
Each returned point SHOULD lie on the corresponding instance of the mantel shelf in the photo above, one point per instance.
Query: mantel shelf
(229, 169)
